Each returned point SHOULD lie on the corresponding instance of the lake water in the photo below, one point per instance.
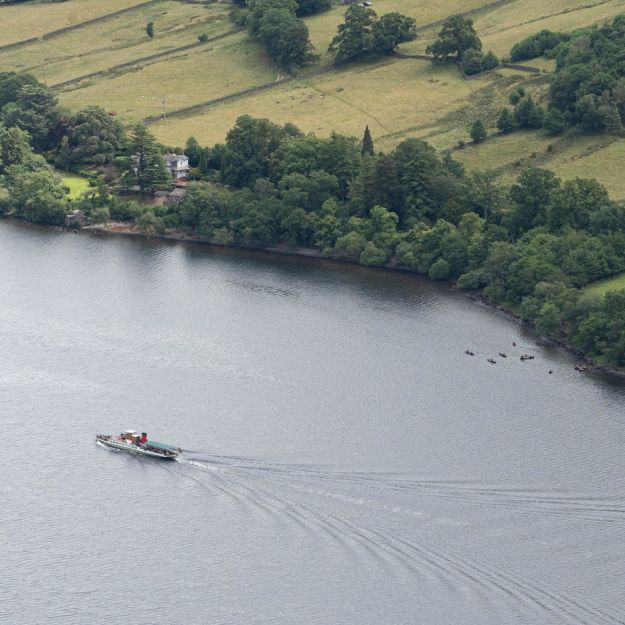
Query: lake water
(348, 463)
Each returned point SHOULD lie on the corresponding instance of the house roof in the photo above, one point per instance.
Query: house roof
(175, 157)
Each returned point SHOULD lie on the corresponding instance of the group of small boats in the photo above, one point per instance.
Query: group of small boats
(133, 443)
(522, 358)
(492, 361)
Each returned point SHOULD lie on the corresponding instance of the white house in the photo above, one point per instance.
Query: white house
(177, 165)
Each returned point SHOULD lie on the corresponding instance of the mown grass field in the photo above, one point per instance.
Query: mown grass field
(76, 185)
(613, 284)
(396, 98)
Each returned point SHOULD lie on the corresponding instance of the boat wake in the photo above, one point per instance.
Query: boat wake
(590, 508)
(321, 500)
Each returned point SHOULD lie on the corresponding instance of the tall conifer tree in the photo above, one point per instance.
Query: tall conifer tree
(367, 143)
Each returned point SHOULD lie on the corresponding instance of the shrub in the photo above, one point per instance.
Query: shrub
(537, 44)
(372, 255)
(554, 122)
(350, 246)
(203, 37)
(478, 131)
(505, 121)
(489, 61)
(440, 270)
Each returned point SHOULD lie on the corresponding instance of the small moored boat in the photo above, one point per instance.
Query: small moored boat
(130, 442)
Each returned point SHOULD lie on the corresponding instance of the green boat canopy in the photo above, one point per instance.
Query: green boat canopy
(158, 445)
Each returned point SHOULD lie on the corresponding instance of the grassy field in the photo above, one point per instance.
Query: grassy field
(504, 25)
(345, 101)
(396, 98)
(569, 157)
(613, 284)
(118, 40)
(227, 66)
(23, 21)
(76, 185)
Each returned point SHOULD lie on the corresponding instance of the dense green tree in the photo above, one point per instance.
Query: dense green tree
(194, 151)
(475, 61)
(355, 35)
(250, 146)
(505, 121)
(587, 85)
(286, 39)
(554, 122)
(11, 83)
(537, 44)
(327, 225)
(527, 114)
(372, 255)
(440, 270)
(310, 7)
(94, 137)
(455, 37)
(147, 166)
(35, 111)
(574, 204)
(36, 196)
(15, 150)
(391, 30)
(285, 36)
(486, 194)
(532, 196)
(478, 131)
(472, 61)
(350, 246)
(367, 143)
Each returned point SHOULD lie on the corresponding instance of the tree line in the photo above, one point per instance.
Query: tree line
(587, 88)
(531, 247)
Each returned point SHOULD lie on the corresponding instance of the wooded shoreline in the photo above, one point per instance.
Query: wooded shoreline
(179, 236)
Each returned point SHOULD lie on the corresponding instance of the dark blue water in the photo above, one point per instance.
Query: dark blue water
(349, 463)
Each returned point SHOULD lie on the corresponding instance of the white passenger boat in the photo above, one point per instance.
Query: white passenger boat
(133, 443)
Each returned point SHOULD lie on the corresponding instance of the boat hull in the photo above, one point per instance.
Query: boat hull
(133, 449)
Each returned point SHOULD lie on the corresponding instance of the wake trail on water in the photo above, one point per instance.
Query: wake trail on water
(426, 562)
(589, 508)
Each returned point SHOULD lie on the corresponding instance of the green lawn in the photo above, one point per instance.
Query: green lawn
(76, 184)
(612, 284)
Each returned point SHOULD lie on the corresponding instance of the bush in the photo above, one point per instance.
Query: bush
(478, 131)
(489, 61)
(537, 44)
(472, 62)
(350, 246)
(440, 270)
(471, 281)
(505, 121)
(527, 114)
(203, 37)
(372, 255)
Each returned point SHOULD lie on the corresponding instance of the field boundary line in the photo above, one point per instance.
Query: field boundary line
(580, 7)
(187, 110)
(61, 31)
(481, 9)
(144, 59)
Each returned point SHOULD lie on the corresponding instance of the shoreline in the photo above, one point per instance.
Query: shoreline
(123, 229)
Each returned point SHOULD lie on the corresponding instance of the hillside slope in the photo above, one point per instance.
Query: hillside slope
(203, 86)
